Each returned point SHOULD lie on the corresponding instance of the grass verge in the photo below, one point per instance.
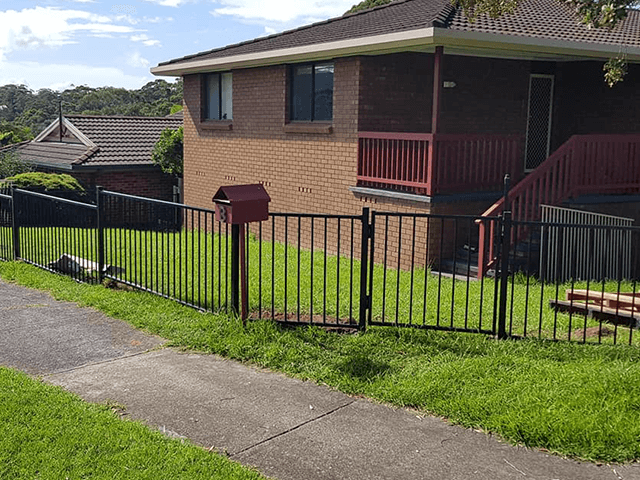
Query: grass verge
(577, 400)
(46, 432)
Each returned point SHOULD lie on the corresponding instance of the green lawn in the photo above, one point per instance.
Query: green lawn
(46, 432)
(577, 400)
(191, 266)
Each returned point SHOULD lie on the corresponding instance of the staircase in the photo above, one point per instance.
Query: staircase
(585, 164)
(524, 257)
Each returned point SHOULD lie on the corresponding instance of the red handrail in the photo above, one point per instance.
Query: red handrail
(592, 164)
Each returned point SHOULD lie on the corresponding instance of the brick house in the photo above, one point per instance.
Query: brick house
(111, 151)
(412, 107)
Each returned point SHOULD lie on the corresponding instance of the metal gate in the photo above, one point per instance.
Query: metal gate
(407, 285)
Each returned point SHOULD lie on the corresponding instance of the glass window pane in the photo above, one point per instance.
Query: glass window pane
(301, 93)
(227, 96)
(213, 97)
(323, 92)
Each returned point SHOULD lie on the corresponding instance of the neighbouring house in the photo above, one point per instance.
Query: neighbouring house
(109, 151)
(412, 107)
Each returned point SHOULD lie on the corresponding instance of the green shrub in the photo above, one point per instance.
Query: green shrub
(46, 181)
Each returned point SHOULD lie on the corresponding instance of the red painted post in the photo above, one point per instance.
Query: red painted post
(437, 89)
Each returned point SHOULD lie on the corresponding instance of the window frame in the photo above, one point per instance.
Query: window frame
(313, 65)
(205, 97)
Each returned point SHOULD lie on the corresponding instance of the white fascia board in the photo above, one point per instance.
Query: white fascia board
(357, 46)
(69, 126)
(424, 39)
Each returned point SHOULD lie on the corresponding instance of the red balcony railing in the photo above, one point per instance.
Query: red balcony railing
(432, 164)
(585, 164)
(395, 160)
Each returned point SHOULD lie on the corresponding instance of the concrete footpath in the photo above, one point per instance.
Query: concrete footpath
(286, 428)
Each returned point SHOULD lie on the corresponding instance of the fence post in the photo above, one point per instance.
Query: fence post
(235, 269)
(100, 232)
(365, 302)
(505, 250)
(15, 225)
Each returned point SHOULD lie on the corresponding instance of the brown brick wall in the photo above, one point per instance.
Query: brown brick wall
(301, 171)
(490, 95)
(586, 104)
(396, 92)
(146, 182)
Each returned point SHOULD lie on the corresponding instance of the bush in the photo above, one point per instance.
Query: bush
(46, 181)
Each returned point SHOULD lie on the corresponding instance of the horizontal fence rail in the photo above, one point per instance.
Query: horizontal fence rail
(306, 268)
(56, 234)
(407, 285)
(572, 282)
(563, 284)
(169, 249)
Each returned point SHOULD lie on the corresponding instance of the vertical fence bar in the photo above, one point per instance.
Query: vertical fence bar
(100, 230)
(15, 224)
(235, 268)
(504, 263)
(365, 302)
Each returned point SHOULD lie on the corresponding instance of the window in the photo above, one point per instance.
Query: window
(218, 96)
(312, 92)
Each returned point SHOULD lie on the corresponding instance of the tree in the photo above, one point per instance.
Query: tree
(11, 164)
(10, 133)
(168, 151)
(594, 13)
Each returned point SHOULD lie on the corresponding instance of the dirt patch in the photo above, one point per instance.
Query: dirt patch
(594, 332)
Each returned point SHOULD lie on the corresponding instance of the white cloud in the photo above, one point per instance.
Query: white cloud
(50, 27)
(145, 39)
(60, 76)
(136, 60)
(270, 31)
(168, 3)
(157, 19)
(283, 11)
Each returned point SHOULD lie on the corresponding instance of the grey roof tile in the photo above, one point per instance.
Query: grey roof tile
(550, 19)
(397, 16)
(119, 141)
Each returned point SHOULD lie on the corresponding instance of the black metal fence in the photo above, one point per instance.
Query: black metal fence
(346, 271)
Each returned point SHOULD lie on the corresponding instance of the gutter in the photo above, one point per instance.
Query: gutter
(423, 39)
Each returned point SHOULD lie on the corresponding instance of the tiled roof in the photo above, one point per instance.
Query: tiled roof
(550, 19)
(394, 17)
(53, 153)
(122, 140)
(118, 141)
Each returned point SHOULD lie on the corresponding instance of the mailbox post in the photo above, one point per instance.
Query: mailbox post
(238, 205)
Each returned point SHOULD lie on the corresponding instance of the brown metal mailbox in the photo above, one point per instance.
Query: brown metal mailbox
(238, 204)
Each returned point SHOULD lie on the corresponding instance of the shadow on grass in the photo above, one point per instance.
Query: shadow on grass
(363, 367)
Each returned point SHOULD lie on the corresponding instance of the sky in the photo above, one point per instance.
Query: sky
(59, 43)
